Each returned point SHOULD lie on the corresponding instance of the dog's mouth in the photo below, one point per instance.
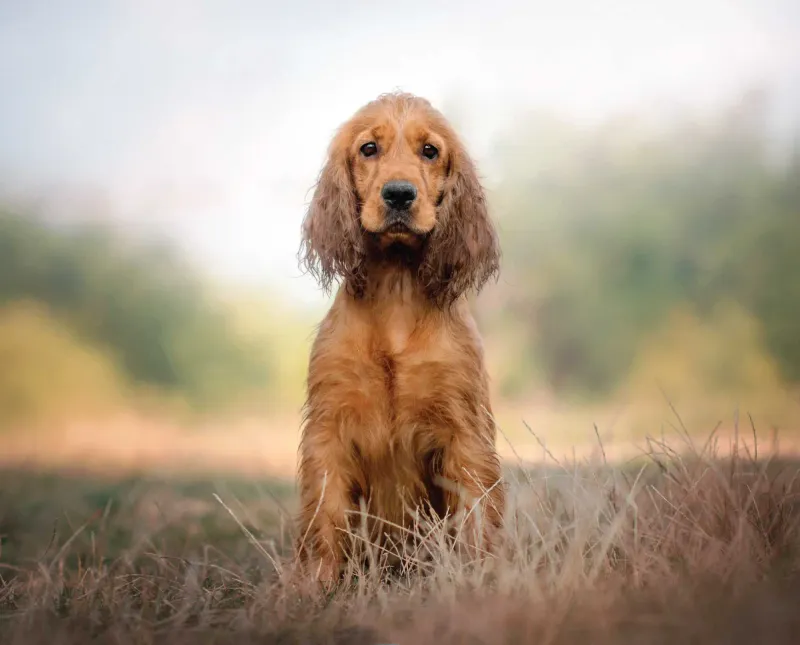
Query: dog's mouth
(397, 233)
(399, 224)
(398, 228)
(400, 235)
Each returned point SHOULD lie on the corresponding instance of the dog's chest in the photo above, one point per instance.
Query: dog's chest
(421, 364)
(405, 346)
(398, 374)
(398, 327)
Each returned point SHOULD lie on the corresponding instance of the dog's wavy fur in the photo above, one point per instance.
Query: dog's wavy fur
(397, 415)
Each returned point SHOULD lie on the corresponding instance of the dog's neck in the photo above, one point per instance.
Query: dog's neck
(396, 305)
(391, 272)
(393, 282)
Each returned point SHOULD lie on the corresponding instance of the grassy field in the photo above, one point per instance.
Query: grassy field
(688, 543)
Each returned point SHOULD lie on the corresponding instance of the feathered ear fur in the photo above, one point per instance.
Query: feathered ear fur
(463, 250)
(332, 246)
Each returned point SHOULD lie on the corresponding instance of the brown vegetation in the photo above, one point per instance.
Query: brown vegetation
(681, 546)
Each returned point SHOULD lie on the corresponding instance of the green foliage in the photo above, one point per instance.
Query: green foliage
(714, 363)
(607, 230)
(47, 373)
(141, 304)
(273, 323)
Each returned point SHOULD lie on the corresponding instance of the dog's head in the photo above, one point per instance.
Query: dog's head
(397, 177)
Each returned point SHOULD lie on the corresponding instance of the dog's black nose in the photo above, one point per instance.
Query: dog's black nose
(399, 195)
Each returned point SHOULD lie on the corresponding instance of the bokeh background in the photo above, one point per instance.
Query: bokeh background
(156, 159)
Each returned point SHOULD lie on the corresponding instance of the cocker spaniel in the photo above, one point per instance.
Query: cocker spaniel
(397, 418)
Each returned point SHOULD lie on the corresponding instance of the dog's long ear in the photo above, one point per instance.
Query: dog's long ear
(331, 245)
(463, 250)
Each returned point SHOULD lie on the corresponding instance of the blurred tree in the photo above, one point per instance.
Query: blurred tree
(140, 302)
(47, 373)
(607, 230)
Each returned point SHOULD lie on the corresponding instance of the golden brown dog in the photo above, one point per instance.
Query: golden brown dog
(398, 414)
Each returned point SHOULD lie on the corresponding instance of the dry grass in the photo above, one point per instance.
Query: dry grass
(135, 443)
(680, 545)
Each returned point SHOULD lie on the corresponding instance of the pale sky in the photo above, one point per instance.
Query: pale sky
(208, 121)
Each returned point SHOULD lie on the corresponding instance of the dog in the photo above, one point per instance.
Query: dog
(397, 416)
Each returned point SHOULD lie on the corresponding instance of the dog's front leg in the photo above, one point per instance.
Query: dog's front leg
(324, 498)
(474, 491)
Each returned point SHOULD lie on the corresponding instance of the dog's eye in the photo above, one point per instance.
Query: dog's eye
(429, 151)
(369, 149)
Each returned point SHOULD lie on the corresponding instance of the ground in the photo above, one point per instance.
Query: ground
(687, 543)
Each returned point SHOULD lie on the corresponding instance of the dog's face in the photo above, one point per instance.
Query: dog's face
(399, 166)
(397, 174)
